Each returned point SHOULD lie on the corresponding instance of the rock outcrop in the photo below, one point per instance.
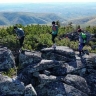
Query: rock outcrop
(9, 86)
(52, 72)
(7, 60)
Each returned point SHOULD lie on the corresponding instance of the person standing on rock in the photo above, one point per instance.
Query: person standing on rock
(20, 35)
(82, 41)
(54, 33)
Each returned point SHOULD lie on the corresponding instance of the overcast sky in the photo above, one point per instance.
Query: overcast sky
(36, 1)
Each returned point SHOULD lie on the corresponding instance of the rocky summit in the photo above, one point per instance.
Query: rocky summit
(56, 71)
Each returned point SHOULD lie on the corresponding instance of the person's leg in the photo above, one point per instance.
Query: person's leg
(21, 40)
(86, 51)
(53, 40)
(83, 44)
(80, 48)
(53, 37)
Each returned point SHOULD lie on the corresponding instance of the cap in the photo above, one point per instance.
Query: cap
(15, 27)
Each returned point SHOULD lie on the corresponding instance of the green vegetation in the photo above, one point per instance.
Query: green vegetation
(10, 73)
(37, 35)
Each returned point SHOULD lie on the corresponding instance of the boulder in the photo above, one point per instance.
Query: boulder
(11, 87)
(60, 53)
(77, 82)
(44, 64)
(51, 89)
(91, 80)
(30, 91)
(58, 88)
(26, 74)
(29, 58)
(90, 60)
(72, 91)
(7, 60)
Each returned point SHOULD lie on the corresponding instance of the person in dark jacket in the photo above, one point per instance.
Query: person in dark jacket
(20, 35)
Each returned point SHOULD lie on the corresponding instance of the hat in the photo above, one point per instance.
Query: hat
(15, 27)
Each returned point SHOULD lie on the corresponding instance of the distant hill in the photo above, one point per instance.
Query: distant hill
(45, 13)
(25, 18)
(11, 18)
(89, 20)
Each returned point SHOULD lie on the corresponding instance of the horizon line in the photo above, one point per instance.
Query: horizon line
(46, 2)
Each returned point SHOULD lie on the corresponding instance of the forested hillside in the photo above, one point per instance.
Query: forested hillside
(24, 18)
(88, 20)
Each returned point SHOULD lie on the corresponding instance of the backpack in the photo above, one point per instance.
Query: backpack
(84, 37)
(55, 29)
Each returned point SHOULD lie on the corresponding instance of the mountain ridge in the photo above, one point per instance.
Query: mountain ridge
(11, 18)
(45, 13)
(25, 18)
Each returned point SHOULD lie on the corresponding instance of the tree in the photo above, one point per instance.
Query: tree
(58, 23)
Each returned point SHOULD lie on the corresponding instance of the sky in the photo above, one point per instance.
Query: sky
(41, 1)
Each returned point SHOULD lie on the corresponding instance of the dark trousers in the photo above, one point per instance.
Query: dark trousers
(53, 37)
(21, 40)
(81, 45)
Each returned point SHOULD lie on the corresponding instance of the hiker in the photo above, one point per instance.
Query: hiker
(54, 33)
(82, 41)
(20, 35)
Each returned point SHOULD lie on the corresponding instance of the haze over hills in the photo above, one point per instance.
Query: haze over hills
(45, 13)
(11, 18)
